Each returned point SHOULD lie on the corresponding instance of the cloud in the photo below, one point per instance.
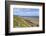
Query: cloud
(26, 12)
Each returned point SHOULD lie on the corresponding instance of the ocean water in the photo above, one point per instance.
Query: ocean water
(33, 17)
(29, 17)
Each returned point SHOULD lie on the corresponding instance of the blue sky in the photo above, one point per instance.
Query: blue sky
(26, 11)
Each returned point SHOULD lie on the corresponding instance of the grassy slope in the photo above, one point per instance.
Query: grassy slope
(20, 22)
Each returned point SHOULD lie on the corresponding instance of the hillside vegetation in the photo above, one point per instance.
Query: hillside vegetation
(21, 22)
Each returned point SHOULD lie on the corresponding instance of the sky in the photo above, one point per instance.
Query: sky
(26, 11)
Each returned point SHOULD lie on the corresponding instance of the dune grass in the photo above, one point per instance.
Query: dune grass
(21, 22)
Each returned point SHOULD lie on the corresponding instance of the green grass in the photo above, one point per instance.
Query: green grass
(20, 22)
